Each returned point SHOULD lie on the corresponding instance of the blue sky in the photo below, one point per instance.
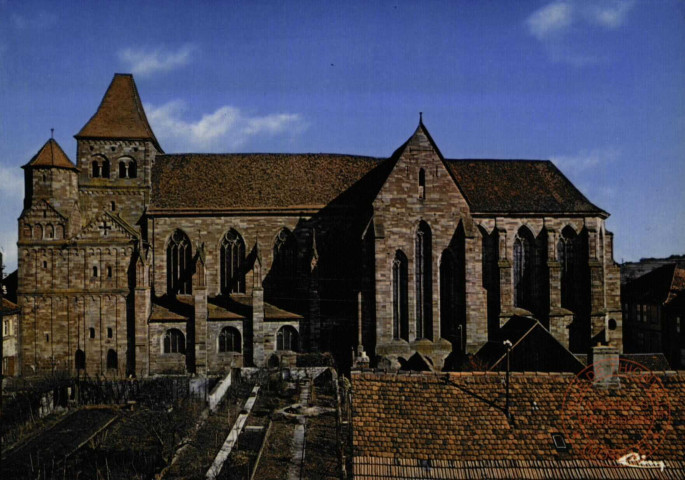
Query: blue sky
(596, 86)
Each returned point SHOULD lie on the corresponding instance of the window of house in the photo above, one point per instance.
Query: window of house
(400, 313)
(112, 360)
(127, 168)
(424, 282)
(422, 183)
(229, 340)
(232, 263)
(178, 254)
(287, 338)
(174, 341)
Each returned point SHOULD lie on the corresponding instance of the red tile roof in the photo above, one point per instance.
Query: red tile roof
(120, 114)
(518, 186)
(459, 417)
(226, 181)
(50, 155)
(9, 308)
(235, 307)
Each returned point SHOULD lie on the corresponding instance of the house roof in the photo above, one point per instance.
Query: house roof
(260, 180)
(253, 180)
(50, 155)
(460, 417)
(660, 286)
(233, 307)
(518, 186)
(517, 330)
(120, 114)
(9, 308)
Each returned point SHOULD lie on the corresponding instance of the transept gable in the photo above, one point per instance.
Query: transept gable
(43, 210)
(108, 228)
(418, 175)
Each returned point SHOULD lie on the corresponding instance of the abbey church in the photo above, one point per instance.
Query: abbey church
(136, 262)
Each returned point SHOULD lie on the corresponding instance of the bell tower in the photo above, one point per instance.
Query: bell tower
(115, 152)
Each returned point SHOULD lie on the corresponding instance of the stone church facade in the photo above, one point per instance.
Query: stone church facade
(133, 261)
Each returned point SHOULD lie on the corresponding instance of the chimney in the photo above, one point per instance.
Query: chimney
(605, 367)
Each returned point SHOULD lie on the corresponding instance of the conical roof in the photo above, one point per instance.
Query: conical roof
(120, 114)
(50, 155)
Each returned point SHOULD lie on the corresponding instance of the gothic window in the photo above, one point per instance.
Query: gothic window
(566, 254)
(174, 341)
(453, 294)
(80, 360)
(229, 340)
(524, 269)
(422, 183)
(112, 360)
(178, 261)
(284, 270)
(400, 313)
(287, 338)
(232, 263)
(424, 282)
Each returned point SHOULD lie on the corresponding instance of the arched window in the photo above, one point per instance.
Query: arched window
(400, 313)
(38, 232)
(80, 360)
(27, 231)
(112, 360)
(49, 232)
(232, 263)
(59, 232)
(174, 341)
(127, 167)
(229, 340)
(287, 338)
(422, 183)
(105, 168)
(283, 275)
(524, 269)
(95, 169)
(178, 260)
(453, 294)
(424, 282)
(566, 254)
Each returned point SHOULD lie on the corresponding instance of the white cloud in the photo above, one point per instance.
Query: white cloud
(586, 160)
(551, 19)
(36, 21)
(11, 199)
(226, 128)
(558, 24)
(146, 62)
(610, 13)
